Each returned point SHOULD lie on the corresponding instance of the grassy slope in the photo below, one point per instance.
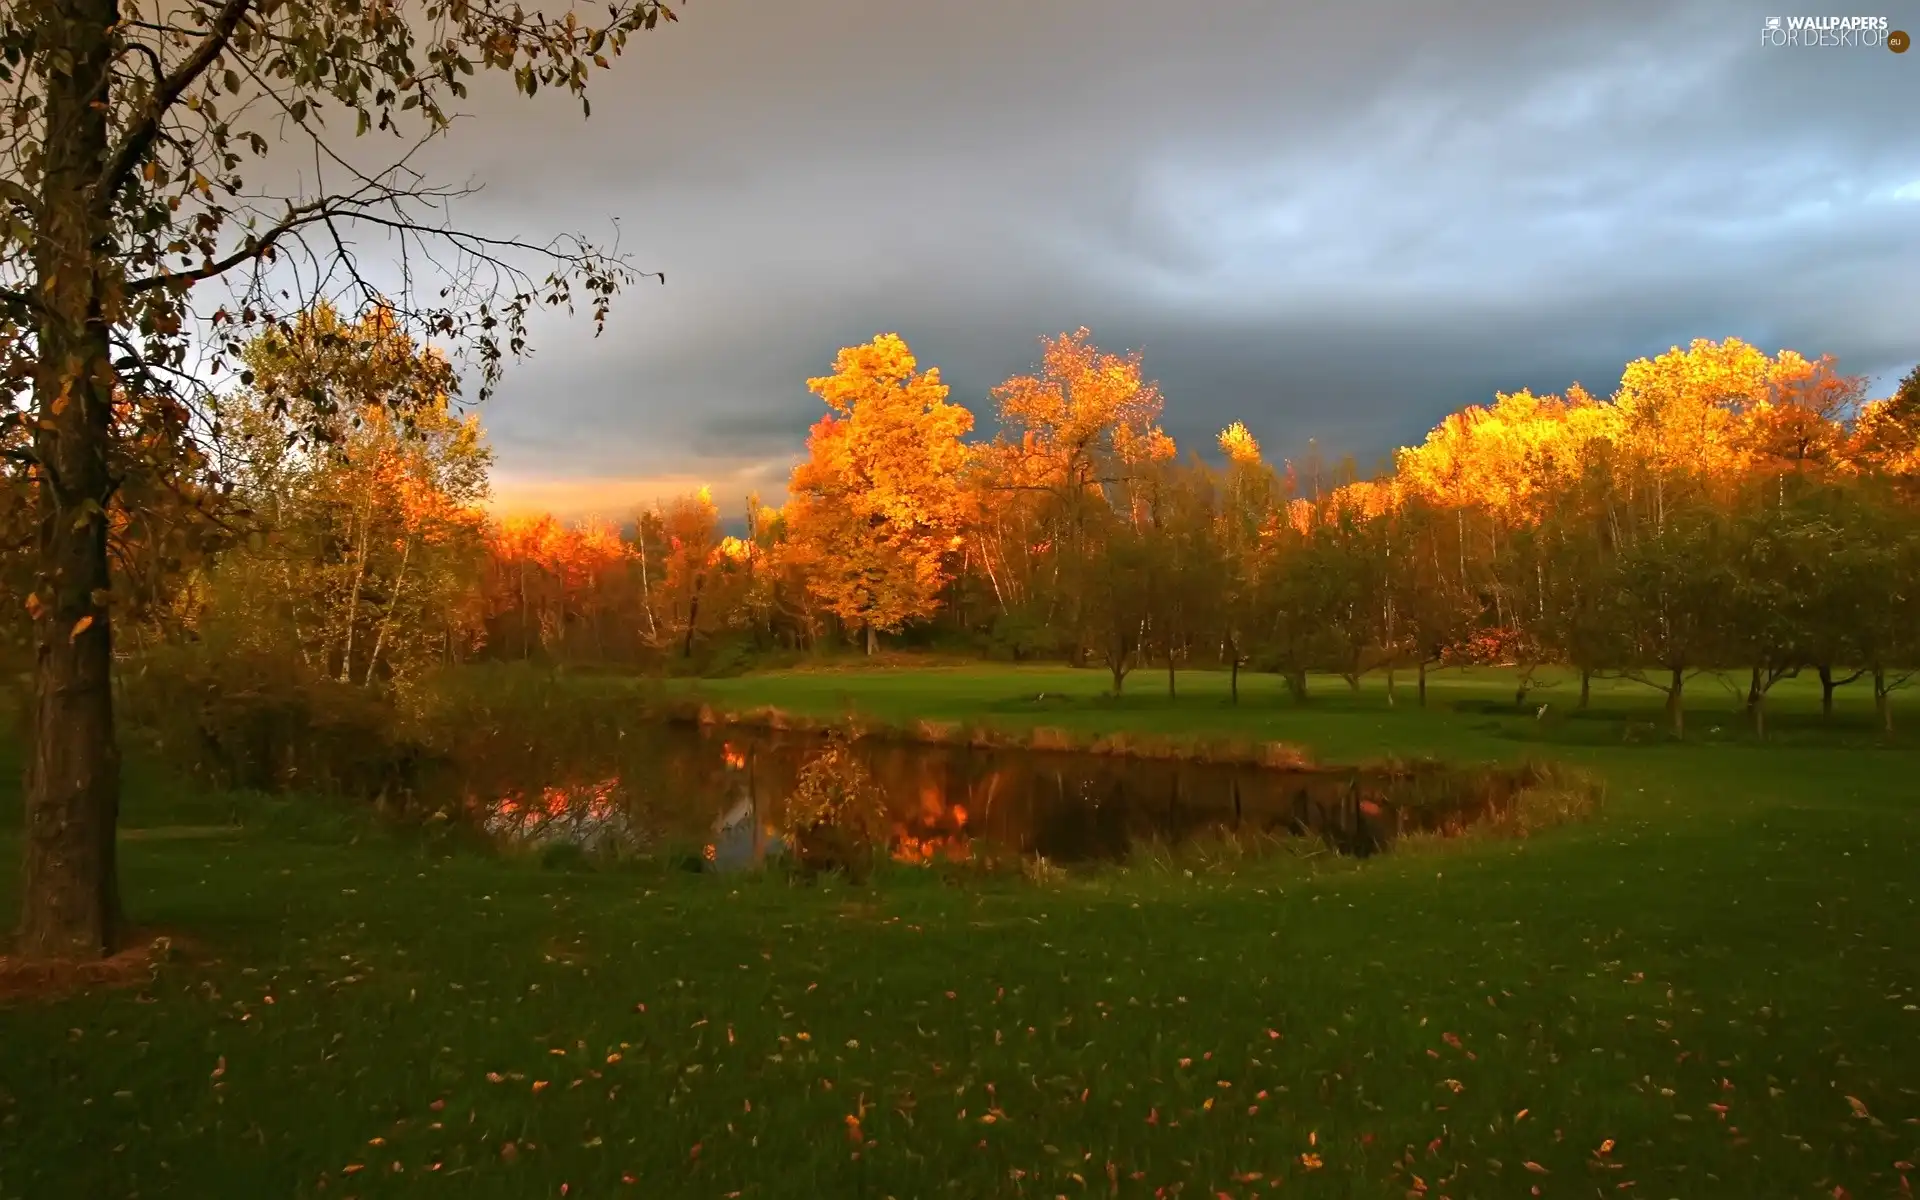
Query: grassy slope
(1739, 930)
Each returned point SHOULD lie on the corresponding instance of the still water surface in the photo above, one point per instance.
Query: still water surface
(724, 787)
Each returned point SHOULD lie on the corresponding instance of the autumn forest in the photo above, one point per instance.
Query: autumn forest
(1722, 511)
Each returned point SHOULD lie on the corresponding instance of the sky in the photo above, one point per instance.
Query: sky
(1335, 222)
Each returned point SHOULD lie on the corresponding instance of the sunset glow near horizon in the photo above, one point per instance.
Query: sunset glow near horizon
(1328, 234)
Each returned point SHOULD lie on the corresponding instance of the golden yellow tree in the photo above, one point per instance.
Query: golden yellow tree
(1082, 420)
(874, 510)
(1078, 437)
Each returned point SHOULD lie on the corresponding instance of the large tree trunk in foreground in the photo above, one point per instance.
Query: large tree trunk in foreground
(70, 906)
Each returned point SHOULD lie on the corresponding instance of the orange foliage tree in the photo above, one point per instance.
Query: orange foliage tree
(874, 511)
(557, 588)
(1077, 436)
(366, 488)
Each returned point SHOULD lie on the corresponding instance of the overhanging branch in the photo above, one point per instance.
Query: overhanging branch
(14, 192)
(256, 247)
(139, 137)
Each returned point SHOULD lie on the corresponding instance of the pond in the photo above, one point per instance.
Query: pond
(723, 787)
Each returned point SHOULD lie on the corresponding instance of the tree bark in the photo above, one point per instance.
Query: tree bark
(872, 640)
(1882, 700)
(359, 578)
(693, 616)
(386, 618)
(1676, 705)
(1826, 692)
(526, 633)
(1586, 687)
(1297, 684)
(1422, 685)
(70, 905)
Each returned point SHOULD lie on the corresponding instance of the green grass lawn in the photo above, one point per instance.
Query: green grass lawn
(1719, 980)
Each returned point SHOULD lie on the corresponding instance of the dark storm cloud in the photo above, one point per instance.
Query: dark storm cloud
(1334, 224)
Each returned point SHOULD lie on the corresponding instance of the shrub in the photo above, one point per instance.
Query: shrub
(1017, 635)
(246, 719)
(261, 721)
(836, 819)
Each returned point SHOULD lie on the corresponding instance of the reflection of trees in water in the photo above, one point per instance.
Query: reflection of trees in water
(589, 815)
(1085, 819)
(944, 798)
(934, 826)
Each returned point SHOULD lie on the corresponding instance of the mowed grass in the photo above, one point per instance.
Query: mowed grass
(1712, 990)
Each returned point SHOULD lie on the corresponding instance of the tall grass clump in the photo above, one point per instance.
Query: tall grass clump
(1550, 794)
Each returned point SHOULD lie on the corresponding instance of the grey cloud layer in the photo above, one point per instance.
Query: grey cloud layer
(1334, 223)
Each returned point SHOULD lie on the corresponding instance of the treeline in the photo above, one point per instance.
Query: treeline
(1724, 511)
